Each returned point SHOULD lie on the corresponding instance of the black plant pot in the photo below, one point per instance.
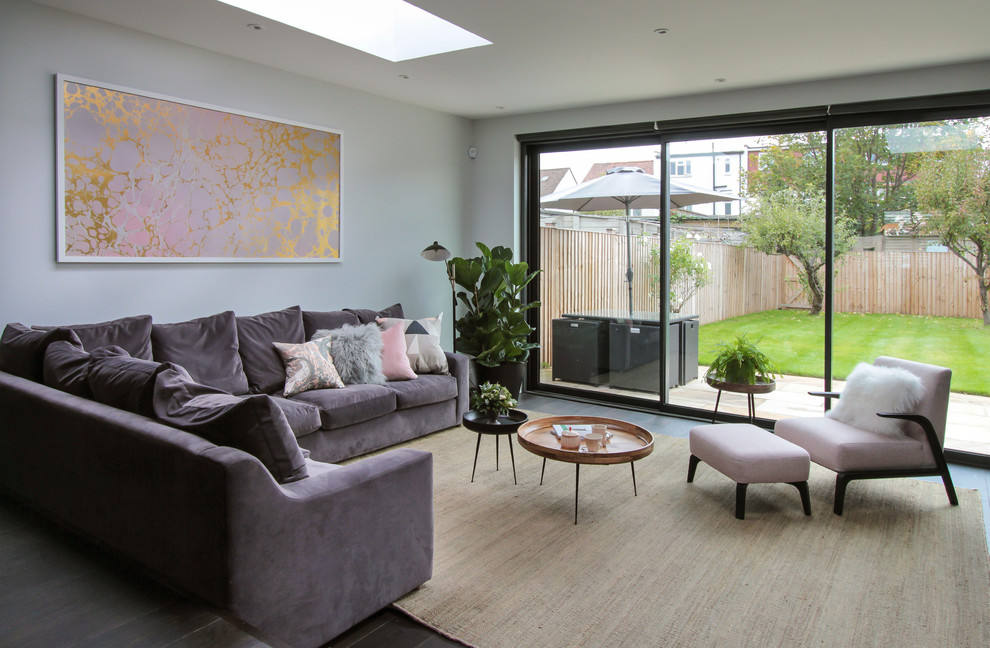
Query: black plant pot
(509, 375)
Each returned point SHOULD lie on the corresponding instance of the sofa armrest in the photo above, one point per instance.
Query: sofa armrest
(460, 368)
(312, 558)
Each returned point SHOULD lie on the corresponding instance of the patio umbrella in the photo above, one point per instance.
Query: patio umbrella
(635, 189)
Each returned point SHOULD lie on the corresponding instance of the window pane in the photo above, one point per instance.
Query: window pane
(913, 285)
(596, 291)
(738, 267)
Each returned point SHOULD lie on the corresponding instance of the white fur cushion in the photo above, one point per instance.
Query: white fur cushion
(357, 353)
(871, 389)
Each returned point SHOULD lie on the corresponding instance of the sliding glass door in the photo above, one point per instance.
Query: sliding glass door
(916, 201)
(825, 237)
(599, 215)
(746, 263)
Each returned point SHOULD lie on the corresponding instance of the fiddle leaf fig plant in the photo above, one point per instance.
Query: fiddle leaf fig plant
(741, 362)
(493, 326)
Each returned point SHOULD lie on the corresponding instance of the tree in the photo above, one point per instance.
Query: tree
(954, 186)
(688, 272)
(870, 179)
(792, 223)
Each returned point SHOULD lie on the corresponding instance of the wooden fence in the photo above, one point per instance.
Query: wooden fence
(585, 271)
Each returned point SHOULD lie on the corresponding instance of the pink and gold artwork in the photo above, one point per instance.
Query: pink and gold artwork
(150, 179)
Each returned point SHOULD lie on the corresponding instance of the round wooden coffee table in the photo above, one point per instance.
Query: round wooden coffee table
(628, 444)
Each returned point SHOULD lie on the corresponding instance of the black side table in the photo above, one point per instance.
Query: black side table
(506, 425)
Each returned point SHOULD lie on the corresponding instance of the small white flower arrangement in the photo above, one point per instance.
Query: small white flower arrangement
(492, 400)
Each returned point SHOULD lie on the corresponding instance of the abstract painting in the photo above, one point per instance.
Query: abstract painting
(144, 177)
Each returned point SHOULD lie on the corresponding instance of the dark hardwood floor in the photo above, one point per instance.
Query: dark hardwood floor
(60, 591)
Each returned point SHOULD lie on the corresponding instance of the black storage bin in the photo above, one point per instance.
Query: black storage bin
(580, 350)
(634, 356)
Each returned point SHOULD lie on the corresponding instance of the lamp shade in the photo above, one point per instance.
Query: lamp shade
(435, 252)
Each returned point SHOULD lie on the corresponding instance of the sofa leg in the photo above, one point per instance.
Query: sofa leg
(741, 501)
(692, 466)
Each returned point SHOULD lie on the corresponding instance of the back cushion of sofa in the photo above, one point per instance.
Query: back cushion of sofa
(127, 383)
(255, 335)
(206, 347)
(132, 334)
(254, 424)
(66, 368)
(314, 321)
(367, 316)
(22, 349)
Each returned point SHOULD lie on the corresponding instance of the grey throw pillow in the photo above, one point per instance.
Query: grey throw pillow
(67, 369)
(357, 353)
(254, 424)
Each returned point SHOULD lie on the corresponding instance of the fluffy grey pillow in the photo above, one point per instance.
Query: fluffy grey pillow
(357, 353)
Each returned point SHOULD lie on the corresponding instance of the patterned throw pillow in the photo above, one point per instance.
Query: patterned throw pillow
(308, 366)
(422, 343)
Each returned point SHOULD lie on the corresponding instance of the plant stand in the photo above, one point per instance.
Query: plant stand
(506, 424)
(741, 388)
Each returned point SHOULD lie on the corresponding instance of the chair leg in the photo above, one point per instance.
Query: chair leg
(692, 466)
(950, 490)
(805, 496)
(741, 501)
(841, 481)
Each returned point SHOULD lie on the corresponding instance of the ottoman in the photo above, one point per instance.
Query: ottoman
(748, 455)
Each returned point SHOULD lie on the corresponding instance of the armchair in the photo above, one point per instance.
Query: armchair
(857, 453)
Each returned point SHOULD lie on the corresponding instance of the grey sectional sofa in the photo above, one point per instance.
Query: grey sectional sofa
(301, 553)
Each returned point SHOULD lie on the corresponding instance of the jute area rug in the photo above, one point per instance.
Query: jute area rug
(674, 567)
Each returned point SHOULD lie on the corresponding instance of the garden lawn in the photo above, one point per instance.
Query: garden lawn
(795, 341)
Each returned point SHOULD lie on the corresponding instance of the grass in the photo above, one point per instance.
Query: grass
(796, 342)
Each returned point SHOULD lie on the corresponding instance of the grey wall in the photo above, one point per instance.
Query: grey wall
(495, 208)
(405, 182)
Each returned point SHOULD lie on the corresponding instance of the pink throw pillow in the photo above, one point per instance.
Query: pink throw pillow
(395, 362)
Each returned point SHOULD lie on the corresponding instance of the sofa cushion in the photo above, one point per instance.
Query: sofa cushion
(313, 321)
(127, 383)
(426, 389)
(255, 334)
(22, 349)
(395, 362)
(66, 368)
(254, 423)
(308, 366)
(205, 347)
(357, 353)
(303, 417)
(422, 343)
(132, 334)
(353, 404)
(367, 316)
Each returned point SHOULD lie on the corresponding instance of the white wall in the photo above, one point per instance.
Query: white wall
(405, 182)
(495, 213)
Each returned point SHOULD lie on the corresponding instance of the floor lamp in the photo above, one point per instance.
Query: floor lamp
(437, 252)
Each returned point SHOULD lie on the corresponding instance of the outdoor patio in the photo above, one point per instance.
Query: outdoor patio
(966, 429)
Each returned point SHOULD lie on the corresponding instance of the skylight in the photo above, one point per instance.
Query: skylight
(390, 29)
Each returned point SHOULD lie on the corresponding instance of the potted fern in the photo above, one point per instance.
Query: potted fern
(741, 366)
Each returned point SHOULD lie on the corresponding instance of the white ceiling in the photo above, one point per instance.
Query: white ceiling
(550, 54)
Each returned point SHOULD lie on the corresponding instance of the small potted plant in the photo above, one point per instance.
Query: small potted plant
(741, 363)
(492, 400)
